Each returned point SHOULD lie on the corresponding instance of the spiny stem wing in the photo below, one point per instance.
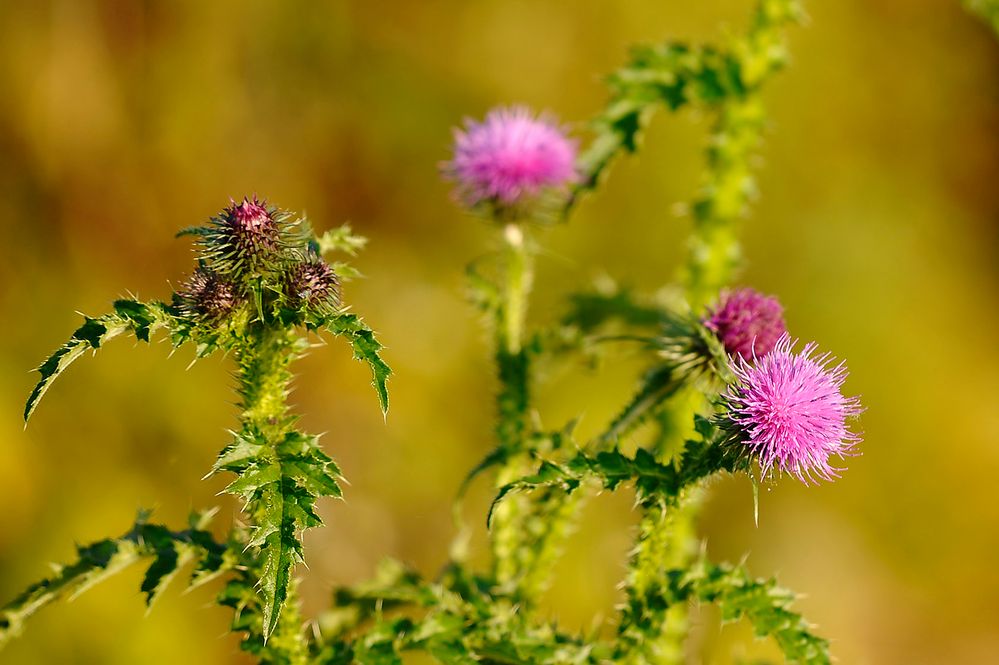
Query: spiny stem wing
(128, 315)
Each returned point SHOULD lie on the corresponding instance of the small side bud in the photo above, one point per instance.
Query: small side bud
(207, 295)
(312, 284)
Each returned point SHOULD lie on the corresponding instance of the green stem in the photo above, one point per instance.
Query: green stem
(651, 633)
(508, 537)
(264, 379)
(714, 255)
(517, 287)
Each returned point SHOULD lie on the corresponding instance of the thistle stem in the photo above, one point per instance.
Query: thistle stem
(517, 287)
(508, 537)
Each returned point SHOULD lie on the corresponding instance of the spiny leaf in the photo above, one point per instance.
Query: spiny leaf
(129, 315)
(655, 482)
(99, 560)
(592, 310)
(170, 557)
(280, 485)
(340, 239)
(763, 603)
(366, 349)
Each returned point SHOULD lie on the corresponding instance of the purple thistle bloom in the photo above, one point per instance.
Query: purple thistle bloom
(791, 411)
(747, 322)
(509, 157)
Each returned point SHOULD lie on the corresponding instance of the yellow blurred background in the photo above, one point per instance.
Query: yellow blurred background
(122, 122)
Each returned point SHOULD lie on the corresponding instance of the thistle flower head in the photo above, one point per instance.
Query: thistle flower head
(747, 322)
(790, 411)
(245, 234)
(510, 157)
(312, 283)
(207, 295)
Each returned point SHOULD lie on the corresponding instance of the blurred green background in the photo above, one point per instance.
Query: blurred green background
(122, 122)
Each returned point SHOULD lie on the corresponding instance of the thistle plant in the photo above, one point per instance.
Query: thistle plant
(723, 391)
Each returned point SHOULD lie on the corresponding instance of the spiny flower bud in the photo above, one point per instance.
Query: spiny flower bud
(790, 413)
(510, 157)
(207, 295)
(747, 322)
(245, 235)
(312, 284)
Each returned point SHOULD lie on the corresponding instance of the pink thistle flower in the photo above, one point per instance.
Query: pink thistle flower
(791, 412)
(747, 322)
(509, 157)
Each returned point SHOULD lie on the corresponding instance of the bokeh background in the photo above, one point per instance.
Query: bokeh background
(878, 225)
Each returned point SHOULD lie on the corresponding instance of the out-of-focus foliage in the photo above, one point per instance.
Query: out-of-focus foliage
(881, 150)
(987, 9)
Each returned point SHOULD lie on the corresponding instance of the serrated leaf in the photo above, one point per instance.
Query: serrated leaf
(341, 239)
(238, 455)
(141, 318)
(764, 604)
(280, 552)
(104, 558)
(280, 484)
(366, 349)
(161, 572)
(657, 483)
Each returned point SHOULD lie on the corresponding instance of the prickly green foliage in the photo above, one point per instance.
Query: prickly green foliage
(279, 484)
(455, 619)
(169, 551)
(141, 319)
(656, 484)
(762, 602)
(288, 644)
(367, 349)
(239, 300)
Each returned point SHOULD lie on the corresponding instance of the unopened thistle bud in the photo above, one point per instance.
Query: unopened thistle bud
(789, 413)
(244, 236)
(312, 284)
(747, 322)
(509, 158)
(208, 296)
